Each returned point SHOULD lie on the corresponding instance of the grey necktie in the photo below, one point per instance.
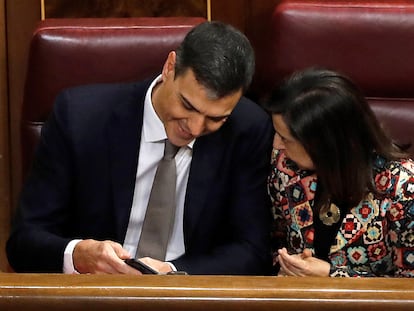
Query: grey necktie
(159, 218)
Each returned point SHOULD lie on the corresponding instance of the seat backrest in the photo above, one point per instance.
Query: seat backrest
(371, 41)
(70, 52)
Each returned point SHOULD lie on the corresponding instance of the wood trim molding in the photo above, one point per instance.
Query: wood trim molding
(106, 292)
(21, 19)
(4, 141)
(208, 10)
(42, 10)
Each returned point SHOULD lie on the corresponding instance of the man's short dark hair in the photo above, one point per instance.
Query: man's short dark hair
(220, 56)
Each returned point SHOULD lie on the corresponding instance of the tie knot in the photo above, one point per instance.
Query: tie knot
(170, 150)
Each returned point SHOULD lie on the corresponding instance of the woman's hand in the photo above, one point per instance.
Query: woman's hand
(303, 264)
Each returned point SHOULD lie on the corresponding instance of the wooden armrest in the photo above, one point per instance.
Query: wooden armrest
(162, 292)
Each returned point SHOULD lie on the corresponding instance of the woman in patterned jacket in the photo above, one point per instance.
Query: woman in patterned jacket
(342, 192)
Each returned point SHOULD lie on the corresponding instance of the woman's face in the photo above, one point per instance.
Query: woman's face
(293, 149)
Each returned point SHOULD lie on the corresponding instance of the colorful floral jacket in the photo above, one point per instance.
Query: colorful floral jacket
(376, 238)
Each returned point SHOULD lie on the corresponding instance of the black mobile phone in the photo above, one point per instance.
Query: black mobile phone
(140, 266)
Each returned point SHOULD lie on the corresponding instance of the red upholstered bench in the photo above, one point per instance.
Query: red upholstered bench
(370, 41)
(69, 52)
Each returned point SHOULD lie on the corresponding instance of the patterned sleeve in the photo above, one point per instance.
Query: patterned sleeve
(275, 190)
(397, 183)
(400, 217)
(347, 271)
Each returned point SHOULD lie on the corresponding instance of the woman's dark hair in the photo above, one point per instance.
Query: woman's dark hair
(331, 118)
(220, 56)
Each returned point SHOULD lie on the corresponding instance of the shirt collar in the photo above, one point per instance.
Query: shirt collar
(153, 129)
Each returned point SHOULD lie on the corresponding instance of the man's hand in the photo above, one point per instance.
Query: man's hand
(101, 257)
(161, 266)
(301, 264)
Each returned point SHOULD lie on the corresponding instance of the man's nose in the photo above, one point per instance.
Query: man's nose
(197, 125)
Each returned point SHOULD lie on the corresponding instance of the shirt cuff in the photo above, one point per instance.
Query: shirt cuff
(171, 265)
(68, 266)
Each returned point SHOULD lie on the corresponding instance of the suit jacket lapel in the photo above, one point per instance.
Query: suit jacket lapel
(207, 154)
(124, 135)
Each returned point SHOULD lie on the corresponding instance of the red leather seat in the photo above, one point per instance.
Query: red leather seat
(69, 52)
(372, 41)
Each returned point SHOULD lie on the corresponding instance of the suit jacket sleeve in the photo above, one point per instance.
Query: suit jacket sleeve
(36, 243)
(70, 192)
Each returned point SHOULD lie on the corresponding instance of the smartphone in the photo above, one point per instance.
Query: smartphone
(140, 266)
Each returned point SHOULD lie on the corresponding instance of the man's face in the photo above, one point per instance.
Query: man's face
(184, 107)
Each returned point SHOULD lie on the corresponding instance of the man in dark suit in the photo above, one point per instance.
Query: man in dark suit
(83, 205)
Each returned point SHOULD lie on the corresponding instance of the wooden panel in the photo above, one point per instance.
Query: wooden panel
(22, 16)
(4, 143)
(231, 11)
(105, 292)
(252, 17)
(258, 20)
(124, 8)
